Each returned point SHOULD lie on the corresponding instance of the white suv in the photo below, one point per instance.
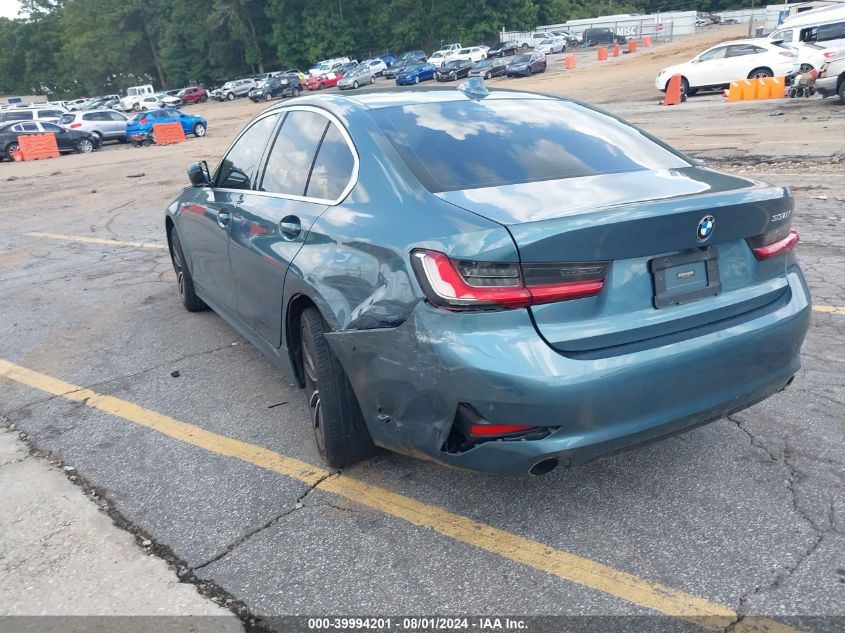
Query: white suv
(50, 115)
(108, 125)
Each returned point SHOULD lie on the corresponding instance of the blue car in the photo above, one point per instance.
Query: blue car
(143, 122)
(499, 281)
(388, 59)
(415, 73)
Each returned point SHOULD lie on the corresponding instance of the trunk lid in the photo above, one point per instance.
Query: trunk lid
(643, 222)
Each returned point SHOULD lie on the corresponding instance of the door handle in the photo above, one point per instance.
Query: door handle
(290, 226)
(223, 217)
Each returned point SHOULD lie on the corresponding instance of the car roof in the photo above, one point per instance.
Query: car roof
(377, 100)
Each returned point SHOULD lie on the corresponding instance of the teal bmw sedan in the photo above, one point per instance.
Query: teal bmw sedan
(498, 281)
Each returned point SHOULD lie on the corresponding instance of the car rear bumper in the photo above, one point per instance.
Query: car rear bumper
(826, 86)
(411, 379)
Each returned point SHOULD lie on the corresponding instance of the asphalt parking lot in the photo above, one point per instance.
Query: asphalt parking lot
(198, 445)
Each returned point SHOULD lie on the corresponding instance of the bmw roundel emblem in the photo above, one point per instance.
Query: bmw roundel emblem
(705, 228)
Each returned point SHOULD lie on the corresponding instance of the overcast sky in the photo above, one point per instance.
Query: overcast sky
(9, 8)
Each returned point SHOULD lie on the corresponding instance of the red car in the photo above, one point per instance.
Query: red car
(318, 82)
(194, 94)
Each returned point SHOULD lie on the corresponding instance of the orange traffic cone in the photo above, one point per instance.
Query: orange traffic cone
(673, 91)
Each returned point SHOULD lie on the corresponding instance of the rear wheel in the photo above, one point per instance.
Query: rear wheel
(189, 297)
(199, 130)
(204, 99)
(805, 68)
(759, 73)
(339, 429)
(842, 91)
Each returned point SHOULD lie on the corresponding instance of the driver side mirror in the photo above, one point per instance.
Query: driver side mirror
(199, 175)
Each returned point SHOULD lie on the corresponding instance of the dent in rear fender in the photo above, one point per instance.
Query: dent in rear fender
(355, 262)
(407, 379)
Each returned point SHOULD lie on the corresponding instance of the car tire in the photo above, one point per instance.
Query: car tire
(85, 146)
(296, 92)
(684, 86)
(759, 73)
(805, 68)
(268, 96)
(199, 130)
(841, 91)
(530, 71)
(230, 96)
(372, 79)
(204, 99)
(11, 148)
(339, 428)
(99, 136)
(487, 75)
(416, 79)
(187, 293)
(355, 84)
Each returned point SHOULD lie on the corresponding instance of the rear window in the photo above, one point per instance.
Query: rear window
(66, 119)
(473, 144)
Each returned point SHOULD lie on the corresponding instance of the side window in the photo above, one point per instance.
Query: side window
(238, 168)
(116, 116)
(26, 127)
(785, 36)
(809, 34)
(333, 167)
(50, 127)
(293, 152)
(21, 115)
(739, 50)
(829, 32)
(716, 53)
(92, 116)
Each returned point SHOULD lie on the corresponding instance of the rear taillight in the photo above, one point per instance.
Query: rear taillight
(829, 54)
(473, 285)
(786, 54)
(773, 243)
(143, 121)
(75, 125)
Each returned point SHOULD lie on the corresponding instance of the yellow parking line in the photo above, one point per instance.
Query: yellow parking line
(829, 309)
(97, 240)
(597, 576)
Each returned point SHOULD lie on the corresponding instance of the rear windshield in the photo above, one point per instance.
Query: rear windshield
(67, 118)
(472, 144)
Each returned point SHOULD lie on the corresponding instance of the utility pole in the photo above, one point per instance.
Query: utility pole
(751, 19)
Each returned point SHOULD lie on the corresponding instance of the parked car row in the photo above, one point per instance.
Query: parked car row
(67, 140)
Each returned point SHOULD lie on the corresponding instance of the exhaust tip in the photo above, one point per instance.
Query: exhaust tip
(544, 467)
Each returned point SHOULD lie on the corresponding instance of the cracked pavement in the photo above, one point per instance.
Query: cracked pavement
(746, 512)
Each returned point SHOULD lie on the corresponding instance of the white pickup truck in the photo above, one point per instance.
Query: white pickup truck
(133, 97)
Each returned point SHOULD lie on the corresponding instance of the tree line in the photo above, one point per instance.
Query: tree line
(66, 48)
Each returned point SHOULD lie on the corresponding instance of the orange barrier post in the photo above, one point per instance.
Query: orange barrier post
(37, 146)
(616, 50)
(569, 62)
(168, 133)
(646, 41)
(749, 89)
(673, 91)
(733, 92)
(632, 46)
(777, 87)
(602, 52)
